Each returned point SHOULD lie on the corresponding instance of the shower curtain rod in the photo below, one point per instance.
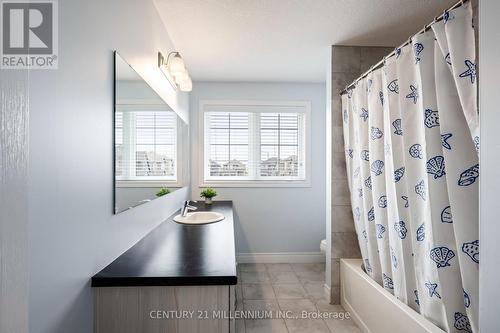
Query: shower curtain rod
(408, 41)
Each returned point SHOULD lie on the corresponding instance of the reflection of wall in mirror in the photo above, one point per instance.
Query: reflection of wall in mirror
(146, 138)
(131, 90)
(129, 197)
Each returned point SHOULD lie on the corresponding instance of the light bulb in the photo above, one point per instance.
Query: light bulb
(176, 65)
(181, 77)
(186, 84)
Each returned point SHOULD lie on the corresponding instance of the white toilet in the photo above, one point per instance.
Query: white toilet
(322, 246)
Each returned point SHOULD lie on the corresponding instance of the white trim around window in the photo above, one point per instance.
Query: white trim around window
(303, 108)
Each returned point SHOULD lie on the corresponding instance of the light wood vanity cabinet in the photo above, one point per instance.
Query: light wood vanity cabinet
(177, 279)
(190, 309)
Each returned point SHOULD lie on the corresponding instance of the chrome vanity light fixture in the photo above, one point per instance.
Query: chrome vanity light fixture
(175, 71)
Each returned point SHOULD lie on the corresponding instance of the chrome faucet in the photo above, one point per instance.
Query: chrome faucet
(187, 207)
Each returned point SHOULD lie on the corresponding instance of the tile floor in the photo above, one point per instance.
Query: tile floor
(287, 287)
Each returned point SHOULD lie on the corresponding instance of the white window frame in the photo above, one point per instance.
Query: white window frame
(305, 108)
(151, 105)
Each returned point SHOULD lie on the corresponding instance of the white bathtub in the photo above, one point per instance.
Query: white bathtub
(373, 308)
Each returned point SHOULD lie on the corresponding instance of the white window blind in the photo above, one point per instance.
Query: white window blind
(146, 145)
(254, 143)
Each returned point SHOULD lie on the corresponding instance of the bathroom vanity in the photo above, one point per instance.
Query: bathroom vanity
(178, 278)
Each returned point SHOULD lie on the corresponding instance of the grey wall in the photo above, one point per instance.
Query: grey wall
(489, 270)
(271, 220)
(73, 233)
(14, 256)
(348, 62)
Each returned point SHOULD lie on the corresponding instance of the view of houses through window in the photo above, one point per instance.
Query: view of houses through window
(254, 146)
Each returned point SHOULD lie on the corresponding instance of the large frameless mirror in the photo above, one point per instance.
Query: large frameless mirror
(150, 142)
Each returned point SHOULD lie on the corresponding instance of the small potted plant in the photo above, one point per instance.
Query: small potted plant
(208, 194)
(163, 191)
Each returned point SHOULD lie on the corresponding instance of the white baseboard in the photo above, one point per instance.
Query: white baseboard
(327, 291)
(281, 257)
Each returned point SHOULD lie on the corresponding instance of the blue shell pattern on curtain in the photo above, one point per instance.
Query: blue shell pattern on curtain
(377, 167)
(400, 228)
(472, 250)
(364, 135)
(441, 256)
(431, 118)
(352, 168)
(388, 284)
(456, 91)
(365, 155)
(393, 86)
(382, 201)
(401, 257)
(380, 230)
(371, 215)
(416, 151)
(397, 127)
(462, 322)
(446, 216)
(435, 166)
(421, 233)
(469, 176)
(421, 189)
(398, 174)
(424, 165)
(416, 176)
(376, 104)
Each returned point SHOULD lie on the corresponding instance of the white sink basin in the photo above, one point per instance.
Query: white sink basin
(199, 218)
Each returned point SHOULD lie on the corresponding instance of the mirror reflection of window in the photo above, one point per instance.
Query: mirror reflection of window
(150, 142)
(146, 144)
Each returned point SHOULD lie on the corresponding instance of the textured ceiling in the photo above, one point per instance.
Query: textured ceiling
(284, 40)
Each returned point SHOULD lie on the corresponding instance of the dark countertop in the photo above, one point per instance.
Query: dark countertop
(176, 254)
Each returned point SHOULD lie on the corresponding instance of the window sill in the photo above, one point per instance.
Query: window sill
(145, 184)
(256, 184)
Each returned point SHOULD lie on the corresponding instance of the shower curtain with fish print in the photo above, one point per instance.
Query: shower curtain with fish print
(411, 132)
